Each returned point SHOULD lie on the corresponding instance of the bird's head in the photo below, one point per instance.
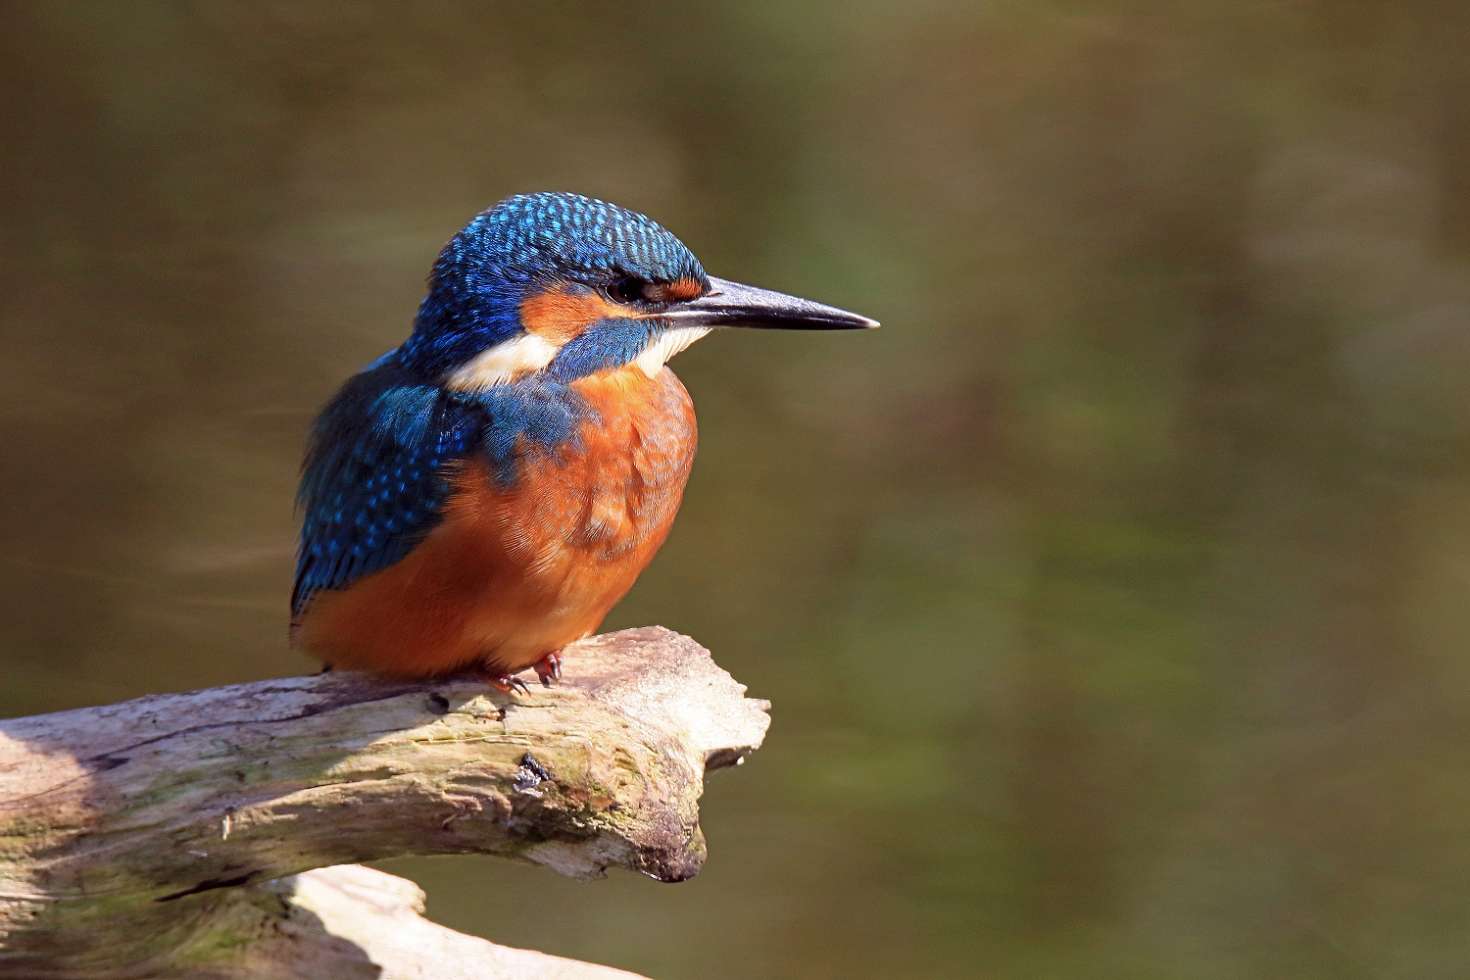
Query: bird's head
(570, 286)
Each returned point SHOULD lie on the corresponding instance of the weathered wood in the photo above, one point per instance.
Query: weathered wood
(350, 922)
(150, 837)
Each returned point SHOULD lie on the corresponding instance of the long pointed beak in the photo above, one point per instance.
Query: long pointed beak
(731, 304)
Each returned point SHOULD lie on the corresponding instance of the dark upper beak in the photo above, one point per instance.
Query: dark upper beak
(730, 304)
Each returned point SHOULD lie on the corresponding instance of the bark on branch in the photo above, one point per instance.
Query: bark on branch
(159, 837)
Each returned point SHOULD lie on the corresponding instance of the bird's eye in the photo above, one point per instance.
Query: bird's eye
(628, 289)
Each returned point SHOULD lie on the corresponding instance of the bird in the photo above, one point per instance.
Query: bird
(483, 494)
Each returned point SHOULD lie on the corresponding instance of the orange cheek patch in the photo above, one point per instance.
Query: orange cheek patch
(681, 289)
(564, 312)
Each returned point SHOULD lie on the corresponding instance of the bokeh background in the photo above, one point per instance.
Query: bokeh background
(1112, 598)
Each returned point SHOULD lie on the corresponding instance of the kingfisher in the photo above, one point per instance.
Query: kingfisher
(483, 494)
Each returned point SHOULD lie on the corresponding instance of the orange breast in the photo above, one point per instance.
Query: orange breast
(513, 573)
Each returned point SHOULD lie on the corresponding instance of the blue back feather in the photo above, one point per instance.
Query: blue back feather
(374, 484)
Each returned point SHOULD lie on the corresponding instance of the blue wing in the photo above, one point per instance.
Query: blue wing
(372, 485)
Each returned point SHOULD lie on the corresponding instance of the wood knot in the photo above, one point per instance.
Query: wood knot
(531, 774)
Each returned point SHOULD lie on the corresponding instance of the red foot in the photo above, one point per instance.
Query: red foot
(548, 668)
(507, 684)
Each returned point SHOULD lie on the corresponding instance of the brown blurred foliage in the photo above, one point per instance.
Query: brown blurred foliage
(1112, 597)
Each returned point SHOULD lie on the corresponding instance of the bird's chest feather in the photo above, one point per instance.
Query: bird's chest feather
(539, 537)
(603, 496)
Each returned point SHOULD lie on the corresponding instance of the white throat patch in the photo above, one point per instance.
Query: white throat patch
(507, 359)
(671, 342)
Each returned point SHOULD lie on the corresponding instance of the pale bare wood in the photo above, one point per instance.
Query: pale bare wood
(156, 837)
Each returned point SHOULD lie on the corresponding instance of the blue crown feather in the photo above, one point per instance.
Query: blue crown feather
(524, 243)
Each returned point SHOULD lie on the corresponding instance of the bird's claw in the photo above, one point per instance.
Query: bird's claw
(509, 684)
(548, 668)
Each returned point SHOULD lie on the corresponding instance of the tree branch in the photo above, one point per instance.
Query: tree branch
(149, 837)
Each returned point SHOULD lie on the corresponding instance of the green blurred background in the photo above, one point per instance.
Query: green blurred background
(1112, 598)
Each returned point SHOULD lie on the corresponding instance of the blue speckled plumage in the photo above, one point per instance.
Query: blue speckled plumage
(371, 486)
(516, 247)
